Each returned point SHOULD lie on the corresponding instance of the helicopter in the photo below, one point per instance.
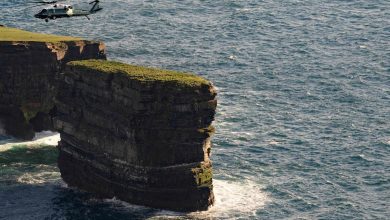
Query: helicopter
(65, 10)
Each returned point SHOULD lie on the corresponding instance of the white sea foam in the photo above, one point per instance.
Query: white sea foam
(128, 207)
(119, 204)
(232, 57)
(235, 198)
(41, 138)
(232, 199)
(39, 178)
(243, 135)
(244, 10)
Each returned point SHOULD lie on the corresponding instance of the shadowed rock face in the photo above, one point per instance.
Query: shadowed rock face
(146, 142)
(28, 81)
(139, 134)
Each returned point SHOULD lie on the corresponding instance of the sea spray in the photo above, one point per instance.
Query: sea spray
(235, 198)
(47, 138)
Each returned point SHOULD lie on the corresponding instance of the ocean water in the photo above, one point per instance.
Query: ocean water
(303, 122)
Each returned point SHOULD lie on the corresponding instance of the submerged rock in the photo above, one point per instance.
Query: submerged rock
(139, 134)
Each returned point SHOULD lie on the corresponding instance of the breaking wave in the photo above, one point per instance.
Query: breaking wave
(47, 138)
(235, 199)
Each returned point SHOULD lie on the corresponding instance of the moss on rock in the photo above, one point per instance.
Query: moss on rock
(203, 175)
(209, 131)
(140, 73)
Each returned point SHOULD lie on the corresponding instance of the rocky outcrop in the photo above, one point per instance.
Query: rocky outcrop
(28, 80)
(139, 134)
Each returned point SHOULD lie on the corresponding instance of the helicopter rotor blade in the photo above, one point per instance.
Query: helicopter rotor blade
(96, 1)
(42, 2)
(33, 6)
(45, 2)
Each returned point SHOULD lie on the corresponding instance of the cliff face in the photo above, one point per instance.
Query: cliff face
(28, 80)
(141, 138)
(140, 134)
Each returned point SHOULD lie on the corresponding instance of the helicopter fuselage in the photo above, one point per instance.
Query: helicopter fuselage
(62, 11)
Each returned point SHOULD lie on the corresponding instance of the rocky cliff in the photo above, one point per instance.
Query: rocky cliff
(140, 134)
(29, 67)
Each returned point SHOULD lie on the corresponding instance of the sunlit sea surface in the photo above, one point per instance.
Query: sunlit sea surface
(303, 122)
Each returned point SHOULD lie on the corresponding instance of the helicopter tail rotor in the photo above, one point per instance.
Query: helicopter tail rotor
(95, 8)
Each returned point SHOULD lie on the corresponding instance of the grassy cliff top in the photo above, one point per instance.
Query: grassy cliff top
(142, 73)
(13, 34)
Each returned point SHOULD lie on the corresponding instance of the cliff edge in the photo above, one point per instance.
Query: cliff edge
(30, 64)
(140, 134)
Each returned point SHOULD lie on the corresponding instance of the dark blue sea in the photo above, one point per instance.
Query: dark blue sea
(303, 122)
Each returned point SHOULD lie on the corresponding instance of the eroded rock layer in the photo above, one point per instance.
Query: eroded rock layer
(28, 81)
(142, 139)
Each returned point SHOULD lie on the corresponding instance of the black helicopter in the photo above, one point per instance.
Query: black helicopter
(64, 10)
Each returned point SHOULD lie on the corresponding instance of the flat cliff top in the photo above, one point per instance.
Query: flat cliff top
(14, 35)
(142, 73)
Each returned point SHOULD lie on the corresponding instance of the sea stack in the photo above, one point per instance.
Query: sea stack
(138, 134)
(135, 133)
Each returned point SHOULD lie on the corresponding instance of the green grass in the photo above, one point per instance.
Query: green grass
(14, 35)
(142, 73)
